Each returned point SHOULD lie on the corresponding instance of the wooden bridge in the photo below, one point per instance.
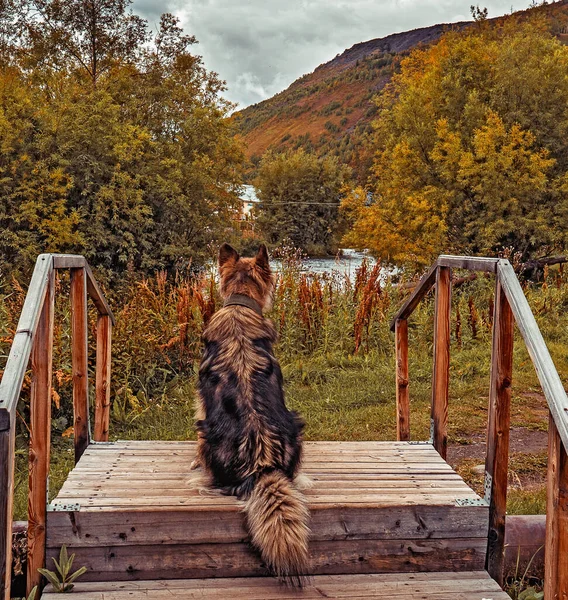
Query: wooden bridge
(389, 519)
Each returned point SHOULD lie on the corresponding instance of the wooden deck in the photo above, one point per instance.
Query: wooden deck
(131, 511)
(415, 586)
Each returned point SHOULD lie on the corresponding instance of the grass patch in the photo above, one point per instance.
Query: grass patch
(527, 502)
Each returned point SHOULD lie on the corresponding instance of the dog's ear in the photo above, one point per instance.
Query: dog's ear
(261, 258)
(227, 253)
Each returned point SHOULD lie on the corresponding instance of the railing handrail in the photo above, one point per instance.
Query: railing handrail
(469, 263)
(552, 387)
(550, 382)
(510, 306)
(33, 342)
(20, 351)
(75, 261)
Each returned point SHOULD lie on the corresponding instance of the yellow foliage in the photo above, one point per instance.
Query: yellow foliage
(471, 148)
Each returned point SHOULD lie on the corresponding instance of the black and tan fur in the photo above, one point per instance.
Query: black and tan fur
(248, 441)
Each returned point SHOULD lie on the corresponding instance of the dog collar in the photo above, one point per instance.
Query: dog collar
(242, 300)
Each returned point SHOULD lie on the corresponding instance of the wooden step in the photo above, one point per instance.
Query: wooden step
(131, 510)
(400, 586)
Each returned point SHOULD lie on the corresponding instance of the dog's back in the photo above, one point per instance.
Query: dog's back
(248, 440)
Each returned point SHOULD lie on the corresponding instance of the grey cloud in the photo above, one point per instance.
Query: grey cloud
(261, 46)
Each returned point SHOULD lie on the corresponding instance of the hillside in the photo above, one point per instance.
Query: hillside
(330, 110)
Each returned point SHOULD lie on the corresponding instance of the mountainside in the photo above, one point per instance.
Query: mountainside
(330, 110)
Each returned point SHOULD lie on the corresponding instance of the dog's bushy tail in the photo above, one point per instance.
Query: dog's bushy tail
(277, 519)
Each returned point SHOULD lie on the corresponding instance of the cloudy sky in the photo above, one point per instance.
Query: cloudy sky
(261, 46)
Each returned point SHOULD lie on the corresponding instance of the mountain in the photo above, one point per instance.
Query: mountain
(330, 110)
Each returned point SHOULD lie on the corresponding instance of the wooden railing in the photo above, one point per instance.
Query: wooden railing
(34, 339)
(510, 306)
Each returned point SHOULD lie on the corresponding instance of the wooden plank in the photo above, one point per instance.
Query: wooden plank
(392, 581)
(545, 369)
(469, 263)
(181, 486)
(308, 446)
(499, 420)
(97, 295)
(7, 452)
(68, 261)
(556, 548)
(86, 528)
(40, 433)
(441, 369)
(75, 261)
(423, 287)
(409, 586)
(21, 348)
(79, 359)
(103, 378)
(230, 560)
(402, 398)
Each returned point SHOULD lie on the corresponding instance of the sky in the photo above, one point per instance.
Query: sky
(259, 47)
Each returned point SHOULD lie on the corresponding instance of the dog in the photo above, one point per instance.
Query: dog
(249, 443)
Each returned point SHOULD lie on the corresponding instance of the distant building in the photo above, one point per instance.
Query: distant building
(249, 199)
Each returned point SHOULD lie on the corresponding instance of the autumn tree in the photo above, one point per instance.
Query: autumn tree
(116, 146)
(300, 196)
(471, 149)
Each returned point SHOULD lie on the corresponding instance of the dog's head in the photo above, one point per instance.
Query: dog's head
(248, 276)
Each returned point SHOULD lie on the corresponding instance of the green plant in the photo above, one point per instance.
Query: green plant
(61, 580)
(32, 595)
(517, 590)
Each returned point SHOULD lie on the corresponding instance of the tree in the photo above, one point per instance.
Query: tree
(128, 159)
(471, 149)
(88, 36)
(300, 196)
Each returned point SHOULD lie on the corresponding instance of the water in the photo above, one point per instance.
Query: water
(346, 264)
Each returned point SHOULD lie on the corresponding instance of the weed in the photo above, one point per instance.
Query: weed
(62, 580)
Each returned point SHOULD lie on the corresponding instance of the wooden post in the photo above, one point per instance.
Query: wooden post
(79, 359)
(102, 384)
(499, 418)
(7, 453)
(402, 398)
(441, 371)
(556, 548)
(40, 435)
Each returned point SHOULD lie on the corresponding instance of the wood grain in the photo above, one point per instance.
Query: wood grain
(499, 421)
(233, 560)
(412, 586)
(556, 548)
(97, 528)
(469, 263)
(102, 378)
(7, 441)
(424, 286)
(402, 397)
(79, 359)
(441, 369)
(40, 433)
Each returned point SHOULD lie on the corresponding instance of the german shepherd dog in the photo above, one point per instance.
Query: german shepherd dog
(249, 443)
